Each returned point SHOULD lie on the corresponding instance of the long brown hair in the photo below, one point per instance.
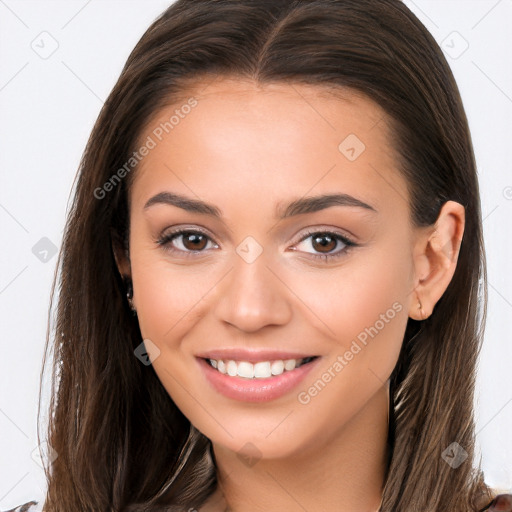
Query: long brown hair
(122, 443)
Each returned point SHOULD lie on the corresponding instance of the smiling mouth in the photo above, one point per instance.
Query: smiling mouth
(259, 370)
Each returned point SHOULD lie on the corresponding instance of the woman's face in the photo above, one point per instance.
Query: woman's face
(260, 277)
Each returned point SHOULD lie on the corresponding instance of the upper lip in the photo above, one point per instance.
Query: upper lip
(251, 356)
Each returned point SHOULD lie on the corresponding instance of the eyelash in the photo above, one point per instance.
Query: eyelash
(349, 244)
(166, 240)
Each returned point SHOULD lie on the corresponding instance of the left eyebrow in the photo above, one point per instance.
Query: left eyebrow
(316, 203)
(297, 207)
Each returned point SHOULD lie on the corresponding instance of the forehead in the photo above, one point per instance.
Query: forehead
(246, 140)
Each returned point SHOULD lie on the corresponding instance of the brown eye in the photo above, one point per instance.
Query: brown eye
(194, 241)
(324, 242)
(185, 242)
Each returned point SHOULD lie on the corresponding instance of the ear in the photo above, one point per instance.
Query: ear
(121, 256)
(435, 259)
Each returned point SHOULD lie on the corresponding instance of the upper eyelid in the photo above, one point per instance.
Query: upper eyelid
(180, 231)
(332, 231)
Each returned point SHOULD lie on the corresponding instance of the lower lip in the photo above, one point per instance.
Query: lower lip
(255, 390)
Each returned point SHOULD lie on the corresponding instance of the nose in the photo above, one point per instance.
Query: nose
(253, 296)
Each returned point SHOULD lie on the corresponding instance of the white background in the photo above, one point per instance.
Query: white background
(47, 109)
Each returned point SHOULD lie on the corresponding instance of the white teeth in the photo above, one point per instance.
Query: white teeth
(277, 367)
(231, 368)
(245, 370)
(260, 370)
(289, 364)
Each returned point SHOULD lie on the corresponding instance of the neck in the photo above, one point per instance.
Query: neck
(348, 470)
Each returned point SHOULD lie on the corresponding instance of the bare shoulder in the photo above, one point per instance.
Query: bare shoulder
(502, 502)
(497, 502)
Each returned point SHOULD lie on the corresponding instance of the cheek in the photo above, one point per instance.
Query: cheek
(365, 313)
(352, 297)
(167, 294)
(363, 308)
(170, 300)
(168, 297)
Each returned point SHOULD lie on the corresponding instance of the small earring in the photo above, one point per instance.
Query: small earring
(420, 307)
(129, 292)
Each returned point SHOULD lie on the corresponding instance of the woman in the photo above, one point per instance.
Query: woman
(270, 275)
